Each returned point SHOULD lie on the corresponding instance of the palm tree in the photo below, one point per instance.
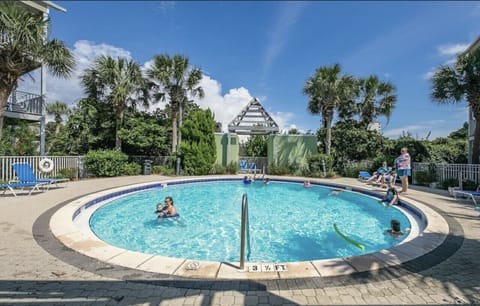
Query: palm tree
(450, 84)
(24, 47)
(376, 99)
(175, 79)
(57, 109)
(327, 90)
(118, 82)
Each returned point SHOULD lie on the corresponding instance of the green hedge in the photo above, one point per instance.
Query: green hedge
(163, 170)
(132, 169)
(106, 163)
(70, 173)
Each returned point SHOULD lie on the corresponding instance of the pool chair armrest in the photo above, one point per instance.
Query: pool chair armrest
(468, 194)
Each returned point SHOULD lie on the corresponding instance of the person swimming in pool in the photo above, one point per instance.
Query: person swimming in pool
(168, 210)
(336, 191)
(395, 230)
(391, 197)
(247, 180)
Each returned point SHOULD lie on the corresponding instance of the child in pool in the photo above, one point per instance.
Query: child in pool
(391, 197)
(395, 230)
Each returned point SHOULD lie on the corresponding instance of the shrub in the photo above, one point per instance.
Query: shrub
(105, 163)
(423, 178)
(352, 170)
(163, 170)
(331, 173)
(70, 173)
(315, 164)
(278, 169)
(218, 169)
(469, 185)
(232, 168)
(451, 182)
(132, 169)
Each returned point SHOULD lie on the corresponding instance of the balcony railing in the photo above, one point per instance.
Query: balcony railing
(4, 39)
(25, 102)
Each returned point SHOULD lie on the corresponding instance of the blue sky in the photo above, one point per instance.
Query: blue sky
(268, 50)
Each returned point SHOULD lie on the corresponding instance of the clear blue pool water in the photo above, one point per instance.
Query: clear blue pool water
(287, 222)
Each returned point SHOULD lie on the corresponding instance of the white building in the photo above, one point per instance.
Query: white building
(471, 119)
(28, 105)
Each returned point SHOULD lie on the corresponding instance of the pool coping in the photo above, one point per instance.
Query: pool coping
(86, 243)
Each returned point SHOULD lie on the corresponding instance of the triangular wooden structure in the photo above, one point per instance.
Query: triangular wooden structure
(253, 120)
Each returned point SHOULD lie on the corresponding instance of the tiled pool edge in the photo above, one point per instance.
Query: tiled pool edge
(163, 265)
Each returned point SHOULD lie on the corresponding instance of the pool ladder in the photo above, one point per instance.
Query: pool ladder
(245, 232)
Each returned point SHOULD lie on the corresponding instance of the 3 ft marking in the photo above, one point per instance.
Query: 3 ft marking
(267, 267)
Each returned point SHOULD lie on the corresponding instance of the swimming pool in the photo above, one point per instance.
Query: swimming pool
(287, 222)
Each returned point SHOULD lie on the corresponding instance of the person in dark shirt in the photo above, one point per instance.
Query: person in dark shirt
(391, 197)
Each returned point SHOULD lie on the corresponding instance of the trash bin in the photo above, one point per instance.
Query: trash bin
(147, 167)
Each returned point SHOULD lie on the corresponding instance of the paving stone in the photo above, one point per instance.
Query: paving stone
(308, 292)
(227, 299)
(311, 300)
(275, 300)
(347, 299)
(299, 299)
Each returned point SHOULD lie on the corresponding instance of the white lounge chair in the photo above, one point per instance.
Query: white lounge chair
(468, 194)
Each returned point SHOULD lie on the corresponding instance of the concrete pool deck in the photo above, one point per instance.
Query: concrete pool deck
(36, 268)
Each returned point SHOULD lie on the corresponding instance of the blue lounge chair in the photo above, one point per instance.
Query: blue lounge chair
(253, 168)
(25, 174)
(243, 166)
(20, 185)
(364, 175)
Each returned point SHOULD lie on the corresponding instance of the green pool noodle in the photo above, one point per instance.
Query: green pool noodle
(358, 245)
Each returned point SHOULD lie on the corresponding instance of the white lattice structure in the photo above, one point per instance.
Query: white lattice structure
(253, 120)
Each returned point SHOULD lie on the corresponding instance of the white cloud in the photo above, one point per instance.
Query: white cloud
(452, 49)
(227, 107)
(436, 128)
(428, 75)
(449, 53)
(69, 90)
(283, 119)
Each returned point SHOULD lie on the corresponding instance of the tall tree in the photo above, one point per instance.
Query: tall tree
(118, 82)
(57, 109)
(450, 84)
(175, 79)
(199, 149)
(256, 146)
(145, 134)
(376, 99)
(24, 46)
(326, 90)
(90, 126)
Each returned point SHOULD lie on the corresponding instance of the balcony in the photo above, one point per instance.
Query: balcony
(4, 39)
(24, 105)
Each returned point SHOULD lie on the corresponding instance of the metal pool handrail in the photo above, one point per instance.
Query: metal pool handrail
(245, 231)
